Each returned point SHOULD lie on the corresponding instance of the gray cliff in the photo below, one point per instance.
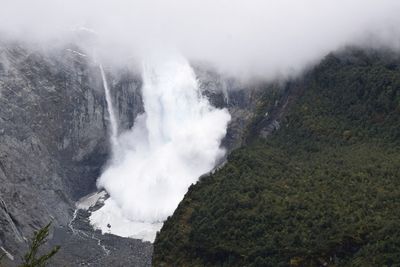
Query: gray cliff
(53, 135)
(54, 143)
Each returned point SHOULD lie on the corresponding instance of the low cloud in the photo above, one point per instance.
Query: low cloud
(256, 37)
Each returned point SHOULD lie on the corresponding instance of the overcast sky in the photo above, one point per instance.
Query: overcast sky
(263, 37)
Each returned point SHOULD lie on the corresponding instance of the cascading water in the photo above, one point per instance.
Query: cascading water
(171, 145)
(110, 108)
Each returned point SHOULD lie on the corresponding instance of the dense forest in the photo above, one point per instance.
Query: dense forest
(323, 190)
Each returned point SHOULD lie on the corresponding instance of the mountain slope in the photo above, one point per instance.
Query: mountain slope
(53, 135)
(322, 190)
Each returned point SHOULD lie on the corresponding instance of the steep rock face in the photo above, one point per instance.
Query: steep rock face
(54, 140)
(241, 99)
(53, 134)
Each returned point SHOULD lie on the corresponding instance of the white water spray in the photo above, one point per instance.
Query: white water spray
(174, 142)
(111, 112)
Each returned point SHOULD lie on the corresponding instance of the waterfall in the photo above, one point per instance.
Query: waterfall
(111, 112)
(171, 145)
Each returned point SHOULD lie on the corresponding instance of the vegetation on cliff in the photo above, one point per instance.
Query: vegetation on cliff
(31, 258)
(323, 190)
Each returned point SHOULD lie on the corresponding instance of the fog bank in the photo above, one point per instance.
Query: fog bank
(260, 37)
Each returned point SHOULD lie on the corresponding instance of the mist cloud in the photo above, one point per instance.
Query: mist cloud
(262, 37)
(175, 141)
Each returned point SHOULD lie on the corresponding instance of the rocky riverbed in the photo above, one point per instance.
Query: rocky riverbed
(84, 246)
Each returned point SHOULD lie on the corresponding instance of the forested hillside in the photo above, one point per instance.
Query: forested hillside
(323, 190)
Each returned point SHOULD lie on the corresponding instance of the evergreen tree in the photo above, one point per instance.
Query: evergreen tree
(31, 259)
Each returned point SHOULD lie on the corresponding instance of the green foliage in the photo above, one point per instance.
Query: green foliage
(31, 259)
(323, 190)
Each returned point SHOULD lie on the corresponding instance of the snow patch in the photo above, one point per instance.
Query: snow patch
(89, 201)
(76, 52)
(110, 219)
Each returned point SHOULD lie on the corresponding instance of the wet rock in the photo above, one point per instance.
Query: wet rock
(54, 135)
